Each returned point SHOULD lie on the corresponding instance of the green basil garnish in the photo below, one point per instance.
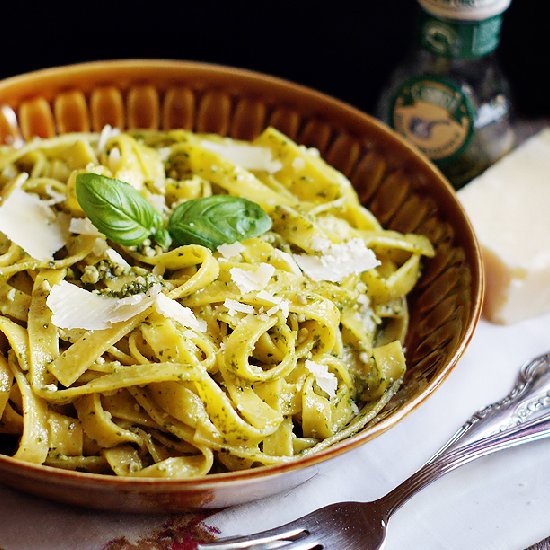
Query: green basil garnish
(220, 219)
(125, 217)
(119, 211)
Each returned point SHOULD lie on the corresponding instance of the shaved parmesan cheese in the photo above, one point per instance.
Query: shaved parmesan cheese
(164, 153)
(83, 226)
(364, 357)
(249, 280)
(107, 133)
(20, 179)
(30, 223)
(320, 244)
(116, 258)
(338, 262)
(231, 250)
(313, 151)
(73, 307)
(115, 159)
(175, 311)
(298, 163)
(288, 260)
(368, 317)
(283, 307)
(248, 157)
(281, 304)
(102, 249)
(237, 307)
(323, 378)
(55, 197)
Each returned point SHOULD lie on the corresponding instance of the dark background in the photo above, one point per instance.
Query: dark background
(346, 49)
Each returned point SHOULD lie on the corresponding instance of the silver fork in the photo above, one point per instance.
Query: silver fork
(521, 417)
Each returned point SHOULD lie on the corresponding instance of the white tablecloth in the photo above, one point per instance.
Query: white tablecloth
(498, 502)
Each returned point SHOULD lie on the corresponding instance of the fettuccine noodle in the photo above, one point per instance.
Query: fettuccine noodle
(282, 353)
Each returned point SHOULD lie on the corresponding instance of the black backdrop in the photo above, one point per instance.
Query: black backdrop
(346, 49)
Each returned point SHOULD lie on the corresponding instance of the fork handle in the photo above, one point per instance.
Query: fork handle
(520, 417)
(447, 461)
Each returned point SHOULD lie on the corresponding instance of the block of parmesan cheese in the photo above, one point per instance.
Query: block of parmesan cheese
(509, 207)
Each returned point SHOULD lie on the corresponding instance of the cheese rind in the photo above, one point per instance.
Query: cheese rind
(509, 207)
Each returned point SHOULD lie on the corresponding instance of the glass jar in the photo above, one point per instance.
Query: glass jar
(449, 96)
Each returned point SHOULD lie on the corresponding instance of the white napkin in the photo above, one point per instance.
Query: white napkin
(498, 502)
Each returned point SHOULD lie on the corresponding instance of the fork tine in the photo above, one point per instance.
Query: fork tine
(271, 545)
(254, 545)
(250, 545)
(268, 539)
(261, 546)
(300, 545)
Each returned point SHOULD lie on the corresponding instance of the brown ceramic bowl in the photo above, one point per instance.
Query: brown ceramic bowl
(393, 179)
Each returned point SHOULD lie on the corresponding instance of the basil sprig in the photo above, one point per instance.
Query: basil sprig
(119, 211)
(125, 217)
(216, 220)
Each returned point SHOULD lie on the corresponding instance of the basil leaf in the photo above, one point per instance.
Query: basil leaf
(216, 220)
(162, 237)
(118, 210)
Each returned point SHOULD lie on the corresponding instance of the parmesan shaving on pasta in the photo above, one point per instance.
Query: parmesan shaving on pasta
(231, 250)
(116, 258)
(106, 134)
(249, 280)
(323, 378)
(237, 307)
(55, 197)
(338, 262)
(102, 249)
(32, 224)
(288, 260)
(73, 307)
(280, 304)
(183, 315)
(82, 226)
(246, 156)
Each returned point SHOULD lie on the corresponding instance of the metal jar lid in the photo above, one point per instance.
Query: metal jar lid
(465, 10)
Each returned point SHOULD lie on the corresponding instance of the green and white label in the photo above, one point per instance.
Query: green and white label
(435, 115)
(463, 40)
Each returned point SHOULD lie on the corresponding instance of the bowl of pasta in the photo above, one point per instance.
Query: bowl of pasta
(211, 282)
